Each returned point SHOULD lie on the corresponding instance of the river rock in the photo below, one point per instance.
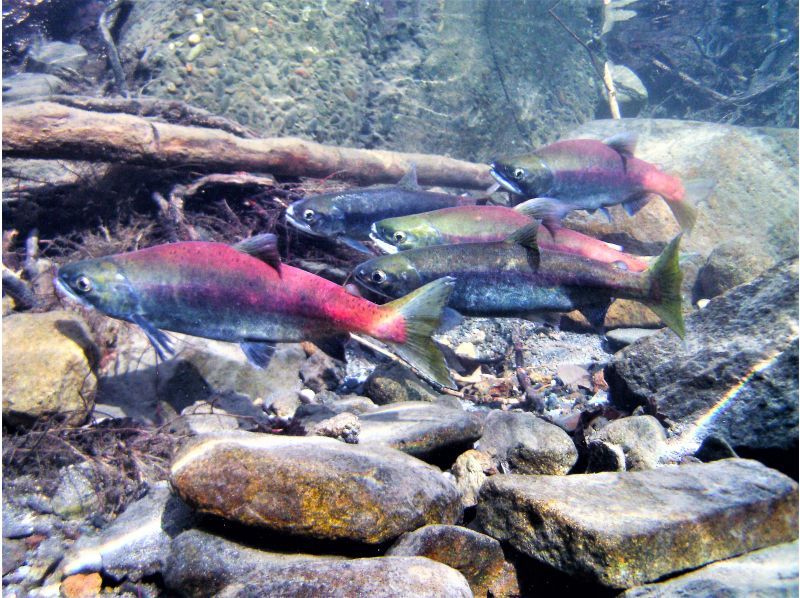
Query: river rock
(371, 494)
(469, 471)
(738, 159)
(770, 571)
(349, 403)
(76, 493)
(202, 564)
(625, 529)
(338, 72)
(52, 57)
(24, 86)
(394, 383)
(520, 442)
(641, 438)
(321, 372)
(222, 367)
(477, 556)
(137, 543)
(735, 375)
(622, 337)
(418, 428)
(201, 370)
(631, 92)
(320, 420)
(47, 367)
(604, 456)
(730, 264)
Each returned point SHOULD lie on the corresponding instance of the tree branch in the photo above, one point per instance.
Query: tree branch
(51, 131)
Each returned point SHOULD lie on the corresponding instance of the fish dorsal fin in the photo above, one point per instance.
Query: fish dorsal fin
(263, 247)
(409, 180)
(526, 236)
(623, 143)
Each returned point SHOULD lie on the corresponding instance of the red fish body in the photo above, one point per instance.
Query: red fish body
(243, 295)
(589, 175)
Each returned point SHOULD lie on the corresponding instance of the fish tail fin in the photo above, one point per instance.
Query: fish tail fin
(421, 311)
(665, 287)
(685, 209)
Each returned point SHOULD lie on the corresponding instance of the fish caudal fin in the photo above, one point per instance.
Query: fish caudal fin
(685, 210)
(421, 311)
(665, 288)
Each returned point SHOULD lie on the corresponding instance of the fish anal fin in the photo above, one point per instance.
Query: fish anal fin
(596, 314)
(632, 206)
(162, 344)
(259, 353)
(263, 247)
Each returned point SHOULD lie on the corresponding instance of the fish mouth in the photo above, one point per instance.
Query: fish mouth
(508, 184)
(299, 224)
(382, 245)
(62, 290)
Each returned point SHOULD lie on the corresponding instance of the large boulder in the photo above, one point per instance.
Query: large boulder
(735, 374)
(477, 556)
(520, 442)
(755, 193)
(338, 72)
(770, 571)
(625, 529)
(137, 543)
(202, 564)
(425, 430)
(313, 486)
(48, 361)
(201, 370)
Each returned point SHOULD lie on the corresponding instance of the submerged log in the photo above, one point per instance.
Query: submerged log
(45, 130)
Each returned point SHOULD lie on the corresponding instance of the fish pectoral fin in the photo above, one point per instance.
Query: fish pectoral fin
(633, 206)
(623, 143)
(263, 247)
(409, 180)
(259, 353)
(162, 344)
(355, 244)
(333, 346)
(550, 211)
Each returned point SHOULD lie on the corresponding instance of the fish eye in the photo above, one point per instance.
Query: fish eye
(399, 236)
(83, 284)
(518, 173)
(378, 277)
(308, 215)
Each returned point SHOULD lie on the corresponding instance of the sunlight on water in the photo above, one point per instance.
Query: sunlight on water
(691, 438)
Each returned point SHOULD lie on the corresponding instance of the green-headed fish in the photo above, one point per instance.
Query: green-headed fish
(585, 174)
(347, 216)
(518, 278)
(242, 294)
(482, 224)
